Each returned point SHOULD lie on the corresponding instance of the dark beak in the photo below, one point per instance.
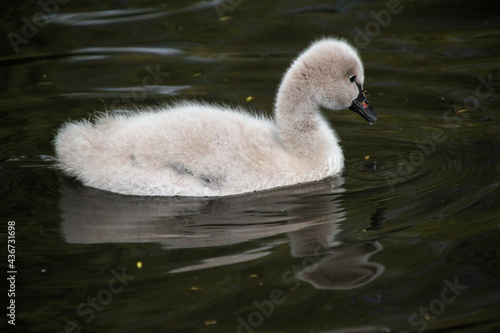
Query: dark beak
(362, 107)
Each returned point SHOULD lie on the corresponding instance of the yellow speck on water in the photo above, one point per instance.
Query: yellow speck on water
(139, 264)
(367, 157)
(225, 18)
(195, 288)
(210, 322)
(463, 110)
(255, 279)
(196, 74)
(249, 98)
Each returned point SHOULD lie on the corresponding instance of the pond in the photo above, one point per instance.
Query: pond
(406, 240)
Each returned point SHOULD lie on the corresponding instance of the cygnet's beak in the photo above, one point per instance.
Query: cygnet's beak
(361, 106)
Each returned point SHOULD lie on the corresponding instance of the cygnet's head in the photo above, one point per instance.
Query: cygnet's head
(333, 72)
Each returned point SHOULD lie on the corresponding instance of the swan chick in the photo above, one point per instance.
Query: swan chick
(198, 149)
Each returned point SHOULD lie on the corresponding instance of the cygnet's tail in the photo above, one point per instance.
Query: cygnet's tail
(79, 149)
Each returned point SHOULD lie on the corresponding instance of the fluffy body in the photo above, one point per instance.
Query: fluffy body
(196, 149)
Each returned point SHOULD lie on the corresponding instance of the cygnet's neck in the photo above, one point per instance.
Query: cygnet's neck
(302, 129)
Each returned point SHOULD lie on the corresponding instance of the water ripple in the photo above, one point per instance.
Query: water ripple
(437, 176)
(115, 92)
(160, 51)
(117, 16)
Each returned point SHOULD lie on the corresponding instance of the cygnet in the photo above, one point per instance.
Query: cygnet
(199, 149)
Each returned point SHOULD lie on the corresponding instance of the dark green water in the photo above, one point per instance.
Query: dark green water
(407, 241)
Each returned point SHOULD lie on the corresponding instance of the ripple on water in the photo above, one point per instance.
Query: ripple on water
(410, 177)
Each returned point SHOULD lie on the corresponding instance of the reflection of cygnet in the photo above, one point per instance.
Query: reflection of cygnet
(193, 149)
(343, 267)
(90, 216)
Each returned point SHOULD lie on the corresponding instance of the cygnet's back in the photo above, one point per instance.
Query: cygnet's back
(192, 149)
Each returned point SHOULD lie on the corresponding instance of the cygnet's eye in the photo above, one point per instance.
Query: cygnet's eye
(352, 78)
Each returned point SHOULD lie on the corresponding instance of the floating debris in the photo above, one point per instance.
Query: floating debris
(195, 288)
(255, 279)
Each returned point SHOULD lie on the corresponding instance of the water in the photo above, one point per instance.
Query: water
(406, 240)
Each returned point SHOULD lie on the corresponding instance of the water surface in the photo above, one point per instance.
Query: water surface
(406, 240)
